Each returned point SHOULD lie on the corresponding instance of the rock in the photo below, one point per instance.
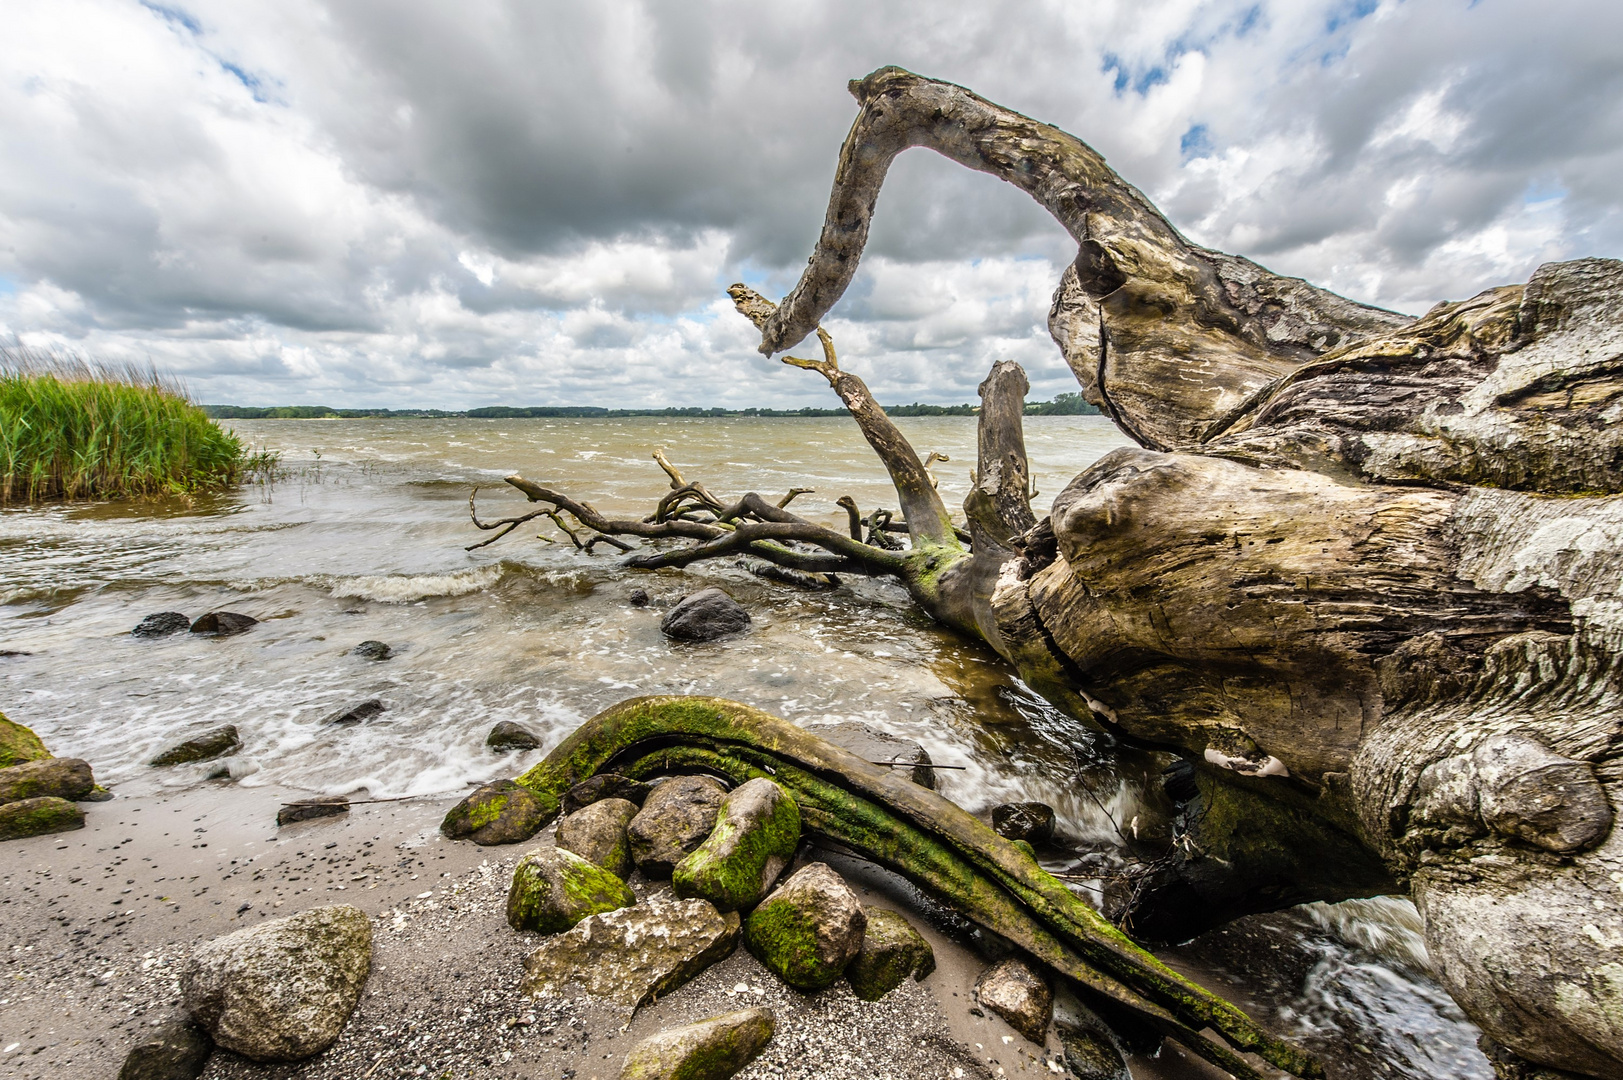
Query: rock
(891, 951)
(510, 736)
(605, 786)
(756, 833)
(871, 744)
(282, 990)
(704, 616)
(177, 1049)
(36, 817)
(1090, 1055)
(162, 624)
(97, 794)
(1015, 991)
(1032, 822)
(211, 744)
(554, 889)
(224, 624)
(676, 817)
(500, 812)
(366, 709)
(635, 954)
(373, 650)
(317, 806)
(18, 744)
(638, 598)
(597, 833)
(63, 778)
(713, 1049)
(809, 929)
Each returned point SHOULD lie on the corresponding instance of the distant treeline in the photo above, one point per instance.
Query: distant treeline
(1063, 405)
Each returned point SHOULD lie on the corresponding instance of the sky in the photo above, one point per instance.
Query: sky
(410, 203)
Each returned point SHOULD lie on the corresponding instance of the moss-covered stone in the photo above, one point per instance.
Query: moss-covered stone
(18, 744)
(500, 812)
(597, 833)
(755, 836)
(36, 817)
(891, 951)
(713, 1049)
(205, 747)
(64, 778)
(809, 929)
(554, 889)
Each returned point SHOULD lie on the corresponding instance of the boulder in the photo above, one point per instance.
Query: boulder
(205, 747)
(373, 650)
(63, 778)
(176, 1049)
(809, 929)
(18, 744)
(1032, 822)
(161, 624)
(36, 817)
(1091, 1055)
(597, 833)
(317, 806)
(1017, 992)
(554, 889)
(605, 786)
(704, 616)
(510, 736)
(676, 817)
(224, 624)
(891, 951)
(500, 812)
(713, 1049)
(282, 990)
(635, 954)
(757, 831)
(871, 744)
(355, 714)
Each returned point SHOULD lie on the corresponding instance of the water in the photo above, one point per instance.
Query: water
(364, 537)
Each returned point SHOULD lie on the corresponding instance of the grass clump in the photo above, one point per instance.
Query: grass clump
(73, 430)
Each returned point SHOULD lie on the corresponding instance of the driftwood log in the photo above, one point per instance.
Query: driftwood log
(1364, 571)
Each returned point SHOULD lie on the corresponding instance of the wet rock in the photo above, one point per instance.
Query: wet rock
(224, 624)
(97, 794)
(1032, 822)
(317, 806)
(809, 929)
(638, 598)
(373, 650)
(1016, 991)
(676, 817)
(510, 736)
(704, 616)
(36, 817)
(756, 833)
(282, 990)
(871, 744)
(500, 812)
(713, 1049)
(63, 778)
(176, 1049)
(554, 889)
(161, 624)
(635, 954)
(365, 710)
(207, 746)
(891, 951)
(1091, 1055)
(605, 786)
(18, 744)
(597, 833)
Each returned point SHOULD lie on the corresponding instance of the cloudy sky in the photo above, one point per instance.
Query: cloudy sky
(419, 203)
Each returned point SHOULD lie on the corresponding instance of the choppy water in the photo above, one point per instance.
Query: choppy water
(363, 538)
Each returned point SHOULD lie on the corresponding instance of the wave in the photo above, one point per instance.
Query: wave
(404, 588)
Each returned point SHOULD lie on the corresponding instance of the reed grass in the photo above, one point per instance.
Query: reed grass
(70, 429)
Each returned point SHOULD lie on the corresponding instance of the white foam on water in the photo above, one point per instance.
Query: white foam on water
(404, 588)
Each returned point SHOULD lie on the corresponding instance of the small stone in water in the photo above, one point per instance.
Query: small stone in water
(224, 624)
(373, 650)
(161, 624)
(366, 709)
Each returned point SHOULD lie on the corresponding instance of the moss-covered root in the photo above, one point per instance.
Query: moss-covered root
(936, 844)
(18, 744)
(36, 817)
(756, 833)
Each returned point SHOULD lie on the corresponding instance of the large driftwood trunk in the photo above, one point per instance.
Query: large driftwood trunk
(1364, 571)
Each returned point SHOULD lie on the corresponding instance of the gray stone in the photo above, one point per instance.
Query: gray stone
(755, 837)
(1032, 822)
(870, 744)
(891, 951)
(224, 624)
(61, 778)
(605, 786)
(317, 806)
(597, 833)
(282, 990)
(1017, 992)
(205, 747)
(713, 1049)
(36, 817)
(175, 1049)
(500, 812)
(676, 817)
(809, 929)
(632, 955)
(704, 616)
(161, 624)
(355, 714)
(373, 650)
(1091, 1055)
(639, 598)
(510, 736)
(553, 889)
